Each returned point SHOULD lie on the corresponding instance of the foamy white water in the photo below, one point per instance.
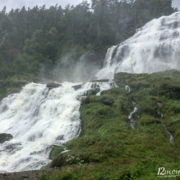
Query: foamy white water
(155, 47)
(37, 118)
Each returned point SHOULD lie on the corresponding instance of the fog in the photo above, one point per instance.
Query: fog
(73, 69)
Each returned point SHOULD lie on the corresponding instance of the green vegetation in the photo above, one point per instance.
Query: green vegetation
(108, 148)
(56, 151)
(34, 41)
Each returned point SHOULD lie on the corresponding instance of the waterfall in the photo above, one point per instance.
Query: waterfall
(39, 117)
(155, 47)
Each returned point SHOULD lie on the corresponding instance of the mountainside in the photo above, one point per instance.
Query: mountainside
(109, 148)
(67, 114)
(34, 42)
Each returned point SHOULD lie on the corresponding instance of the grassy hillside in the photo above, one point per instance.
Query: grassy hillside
(108, 148)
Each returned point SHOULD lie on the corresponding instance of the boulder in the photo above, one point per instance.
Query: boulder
(92, 92)
(53, 85)
(108, 101)
(5, 137)
(76, 87)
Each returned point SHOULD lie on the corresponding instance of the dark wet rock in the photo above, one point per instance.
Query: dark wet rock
(5, 137)
(95, 86)
(101, 80)
(13, 147)
(108, 101)
(53, 85)
(92, 92)
(152, 122)
(76, 87)
(61, 137)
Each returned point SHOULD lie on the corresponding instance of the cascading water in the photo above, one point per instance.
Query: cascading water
(155, 47)
(39, 117)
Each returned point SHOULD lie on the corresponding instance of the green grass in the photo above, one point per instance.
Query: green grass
(109, 149)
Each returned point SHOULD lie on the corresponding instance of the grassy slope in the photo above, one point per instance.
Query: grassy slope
(109, 149)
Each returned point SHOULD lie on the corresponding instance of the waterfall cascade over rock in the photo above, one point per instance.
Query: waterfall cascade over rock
(39, 117)
(155, 47)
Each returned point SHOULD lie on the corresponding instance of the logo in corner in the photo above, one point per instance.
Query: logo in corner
(163, 172)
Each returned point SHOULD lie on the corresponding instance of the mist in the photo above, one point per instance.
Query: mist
(73, 69)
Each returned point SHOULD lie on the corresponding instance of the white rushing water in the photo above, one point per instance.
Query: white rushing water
(38, 117)
(155, 47)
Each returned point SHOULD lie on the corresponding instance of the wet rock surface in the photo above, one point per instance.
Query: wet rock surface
(108, 101)
(53, 85)
(92, 92)
(5, 137)
(76, 87)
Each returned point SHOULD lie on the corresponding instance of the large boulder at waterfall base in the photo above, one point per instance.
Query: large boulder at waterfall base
(5, 137)
(93, 91)
(53, 85)
(76, 87)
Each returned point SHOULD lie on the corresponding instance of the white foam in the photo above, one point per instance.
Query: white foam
(155, 47)
(36, 117)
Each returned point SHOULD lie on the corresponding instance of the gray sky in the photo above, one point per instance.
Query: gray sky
(176, 3)
(30, 3)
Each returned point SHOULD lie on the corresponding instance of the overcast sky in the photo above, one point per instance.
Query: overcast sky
(176, 3)
(30, 3)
